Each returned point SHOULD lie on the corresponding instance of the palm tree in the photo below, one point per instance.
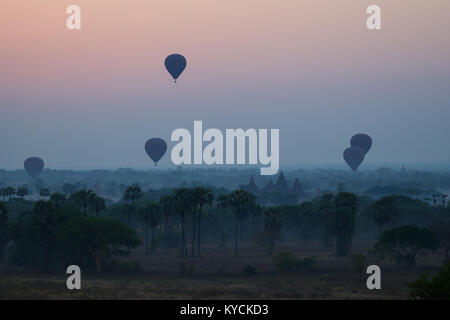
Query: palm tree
(97, 204)
(240, 201)
(11, 192)
(182, 203)
(194, 199)
(272, 227)
(444, 199)
(58, 199)
(44, 214)
(3, 227)
(44, 193)
(255, 213)
(22, 192)
(132, 194)
(435, 196)
(128, 209)
(151, 216)
(223, 202)
(83, 199)
(166, 203)
(204, 196)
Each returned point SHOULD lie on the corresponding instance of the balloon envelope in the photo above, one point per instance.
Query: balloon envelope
(354, 156)
(155, 148)
(361, 140)
(33, 166)
(175, 64)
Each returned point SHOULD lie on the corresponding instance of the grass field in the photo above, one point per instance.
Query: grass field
(218, 275)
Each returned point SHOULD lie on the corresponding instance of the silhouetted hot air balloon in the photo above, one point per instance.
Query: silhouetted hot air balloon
(155, 148)
(354, 156)
(33, 166)
(175, 64)
(361, 140)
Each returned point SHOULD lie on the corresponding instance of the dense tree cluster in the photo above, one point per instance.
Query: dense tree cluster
(79, 226)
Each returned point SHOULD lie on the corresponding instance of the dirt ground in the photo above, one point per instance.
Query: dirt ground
(219, 275)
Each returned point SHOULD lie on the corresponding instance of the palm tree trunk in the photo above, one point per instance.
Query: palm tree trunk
(223, 228)
(236, 236)
(247, 229)
(193, 233)
(182, 235)
(183, 238)
(199, 227)
(153, 240)
(146, 235)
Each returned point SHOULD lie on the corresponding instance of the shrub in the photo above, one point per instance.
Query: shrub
(307, 262)
(287, 261)
(432, 288)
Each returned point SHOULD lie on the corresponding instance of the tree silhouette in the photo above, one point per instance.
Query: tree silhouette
(441, 231)
(101, 237)
(167, 207)
(194, 196)
(240, 201)
(403, 243)
(305, 219)
(385, 211)
(204, 196)
(444, 199)
(326, 209)
(344, 221)
(97, 204)
(3, 227)
(58, 200)
(272, 227)
(182, 204)
(223, 202)
(44, 215)
(22, 192)
(132, 194)
(83, 199)
(151, 215)
(9, 192)
(44, 193)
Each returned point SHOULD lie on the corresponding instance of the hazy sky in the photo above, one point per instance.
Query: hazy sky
(91, 98)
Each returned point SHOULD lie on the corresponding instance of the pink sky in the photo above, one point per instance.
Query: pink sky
(122, 43)
(301, 58)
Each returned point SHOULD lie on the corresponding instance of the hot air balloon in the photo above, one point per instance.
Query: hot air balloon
(155, 148)
(361, 140)
(33, 166)
(175, 64)
(354, 156)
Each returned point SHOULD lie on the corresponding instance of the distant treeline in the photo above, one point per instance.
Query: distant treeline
(303, 184)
